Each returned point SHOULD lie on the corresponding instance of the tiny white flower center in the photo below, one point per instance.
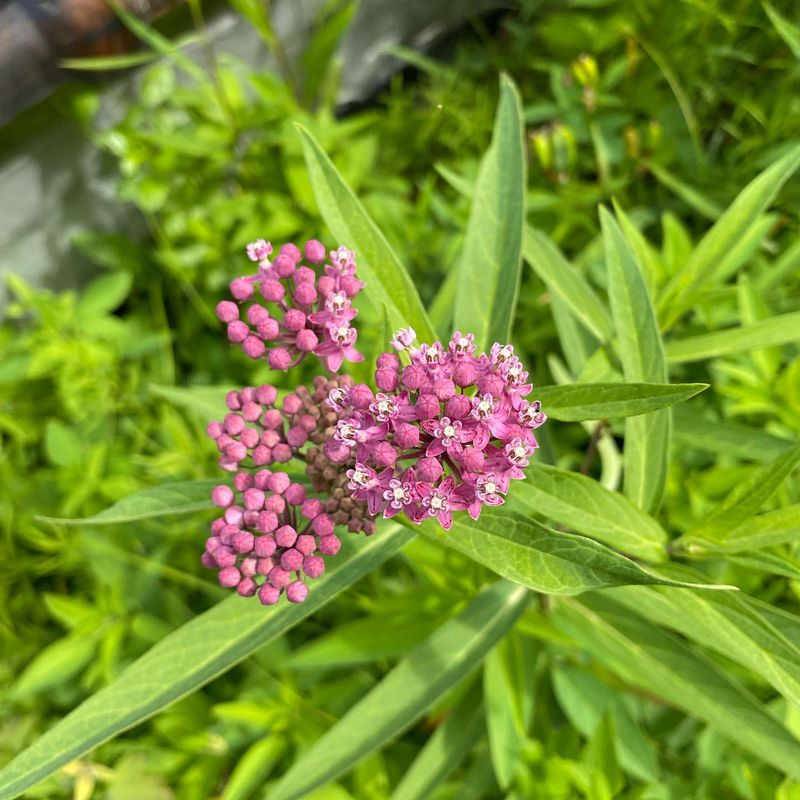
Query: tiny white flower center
(399, 493)
(437, 503)
(489, 487)
(449, 432)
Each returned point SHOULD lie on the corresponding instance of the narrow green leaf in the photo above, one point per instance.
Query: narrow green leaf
(444, 751)
(751, 202)
(186, 660)
(489, 274)
(789, 32)
(645, 656)
(642, 354)
(402, 697)
(504, 721)
(577, 344)
(181, 497)
(585, 699)
(580, 401)
(55, 665)
(777, 330)
(771, 563)
(580, 503)
(543, 559)
(693, 430)
(253, 768)
(378, 265)
(702, 204)
(747, 498)
(106, 63)
(208, 402)
(731, 623)
(765, 530)
(566, 283)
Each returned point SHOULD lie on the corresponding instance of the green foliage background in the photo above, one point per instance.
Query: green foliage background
(428, 676)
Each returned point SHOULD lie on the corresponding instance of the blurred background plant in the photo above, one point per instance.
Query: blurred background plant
(668, 108)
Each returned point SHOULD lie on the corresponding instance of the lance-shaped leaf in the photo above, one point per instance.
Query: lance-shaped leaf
(781, 526)
(489, 274)
(726, 233)
(581, 401)
(566, 283)
(747, 498)
(645, 656)
(445, 750)
(208, 402)
(186, 660)
(181, 497)
(642, 354)
(402, 697)
(771, 332)
(378, 265)
(731, 623)
(582, 504)
(541, 558)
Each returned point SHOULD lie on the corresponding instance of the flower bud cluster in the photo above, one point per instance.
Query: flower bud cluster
(289, 309)
(271, 536)
(446, 432)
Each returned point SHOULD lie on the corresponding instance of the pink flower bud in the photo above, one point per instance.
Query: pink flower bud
(249, 566)
(406, 436)
(413, 376)
(428, 470)
(336, 451)
(238, 331)
(388, 361)
(260, 479)
(304, 275)
(254, 499)
(208, 560)
(314, 566)
(491, 384)
(229, 577)
(384, 454)
(472, 459)
(225, 557)
(306, 340)
(264, 546)
(272, 291)
(292, 560)
(322, 525)
(427, 406)
(235, 451)
(325, 285)
(291, 251)
(279, 358)
(351, 286)
(294, 320)
(306, 544)
(292, 404)
(387, 379)
(232, 401)
(241, 289)
(315, 251)
(222, 496)
(284, 266)
(249, 437)
(305, 294)
(243, 542)
(295, 494)
(217, 525)
(464, 373)
(243, 481)
(296, 436)
(227, 311)
(443, 388)
(278, 482)
(279, 577)
(282, 453)
(266, 523)
(285, 536)
(251, 411)
(247, 587)
(275, 503)
(296, 592)
(458, 407)
(257, 315)
(214, 430)
(234, 424)
(262, 455)
(360, 396)
(272, 421)
(308, 423)
(269, 595)
(269, 330)
(329, 545)
(253, 347)
(265, 394)
(311, 508)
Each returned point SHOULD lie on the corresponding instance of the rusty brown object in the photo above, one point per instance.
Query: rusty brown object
(36, 35)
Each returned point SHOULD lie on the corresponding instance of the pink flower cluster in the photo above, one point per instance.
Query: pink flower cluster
(269, 529)
(446, 432)
(292, 310)
(272, 536)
